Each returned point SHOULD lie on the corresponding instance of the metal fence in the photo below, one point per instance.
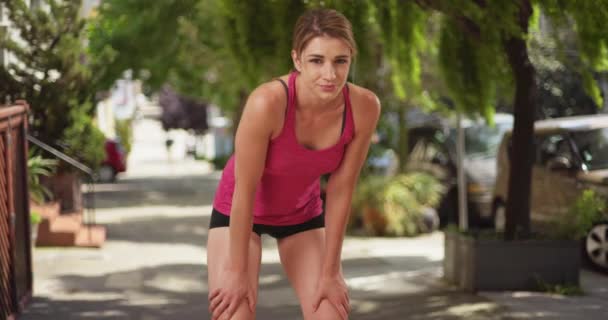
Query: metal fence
(15, 240)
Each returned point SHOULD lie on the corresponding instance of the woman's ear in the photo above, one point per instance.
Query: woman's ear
(296, 60)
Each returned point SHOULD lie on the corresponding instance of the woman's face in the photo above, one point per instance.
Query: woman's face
(323, 66)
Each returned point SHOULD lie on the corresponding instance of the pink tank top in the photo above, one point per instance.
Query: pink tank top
(289, 190)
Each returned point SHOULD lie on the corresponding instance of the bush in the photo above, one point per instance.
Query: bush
(37, 167)
(395, 206)
(586, 211)
(83, 140)
(124, 131)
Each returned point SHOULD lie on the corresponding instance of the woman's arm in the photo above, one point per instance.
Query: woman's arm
(251, 143)
(253, 135)
(341, 184)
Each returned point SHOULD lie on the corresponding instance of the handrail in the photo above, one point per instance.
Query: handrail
(90, 213)
(61, 156)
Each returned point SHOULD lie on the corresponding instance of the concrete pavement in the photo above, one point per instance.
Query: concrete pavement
(153, 265)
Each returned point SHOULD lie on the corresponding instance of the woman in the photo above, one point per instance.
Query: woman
(292, 131)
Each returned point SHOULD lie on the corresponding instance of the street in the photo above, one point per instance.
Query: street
(153, 265)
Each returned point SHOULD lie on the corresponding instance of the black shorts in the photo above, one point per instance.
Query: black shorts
(219, 219)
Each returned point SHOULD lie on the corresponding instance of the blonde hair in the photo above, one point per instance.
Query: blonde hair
(322, 22)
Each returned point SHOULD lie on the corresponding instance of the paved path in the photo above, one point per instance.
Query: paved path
(153, 265)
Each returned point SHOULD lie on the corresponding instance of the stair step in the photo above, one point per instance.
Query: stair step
(55, 239)
(91, 236)
(47, 210)
(65, 223)
(87, 236)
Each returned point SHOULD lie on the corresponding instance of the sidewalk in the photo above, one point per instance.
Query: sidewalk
(153, 265)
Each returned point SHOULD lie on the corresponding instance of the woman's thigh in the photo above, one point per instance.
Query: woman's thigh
(302, 258)
(217, 258)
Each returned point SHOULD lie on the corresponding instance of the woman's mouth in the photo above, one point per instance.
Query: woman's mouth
(328, 88)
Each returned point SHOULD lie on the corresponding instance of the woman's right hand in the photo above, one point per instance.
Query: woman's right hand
(234, 288)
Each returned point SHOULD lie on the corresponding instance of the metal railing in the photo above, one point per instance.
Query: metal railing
(15, 240)
(89, 199)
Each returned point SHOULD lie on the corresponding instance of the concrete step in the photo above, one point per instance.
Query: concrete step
(91, 236)
(86, 236)
(47, 210)
(68, 230)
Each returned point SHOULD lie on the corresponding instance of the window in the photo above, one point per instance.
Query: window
(552, 146)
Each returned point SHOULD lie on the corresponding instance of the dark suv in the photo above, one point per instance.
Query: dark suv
(571, 155)
(433, 150)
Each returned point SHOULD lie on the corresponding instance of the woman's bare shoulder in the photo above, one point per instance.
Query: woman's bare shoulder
(269, 96)
(365, 104)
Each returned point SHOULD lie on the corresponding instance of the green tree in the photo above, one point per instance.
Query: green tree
(51, 72)
(214, 50)
(224, 48)
(484, 44)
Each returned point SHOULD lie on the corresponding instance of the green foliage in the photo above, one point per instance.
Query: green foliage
(83, 139)
(560, 82)
(588, 209)
(393, 206)
(124, 131)
(35, 218)
(588, 18)
(137, 35)
(37, 166)
(401, 24)
(560, 289)
(51, 69)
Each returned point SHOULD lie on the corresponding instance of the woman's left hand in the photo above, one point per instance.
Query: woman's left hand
(333, 289)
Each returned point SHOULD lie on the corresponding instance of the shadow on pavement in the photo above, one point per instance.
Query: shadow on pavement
(189, 190)
(179, 291)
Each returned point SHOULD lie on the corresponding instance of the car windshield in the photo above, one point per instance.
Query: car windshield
(483, 140)
(593, 147)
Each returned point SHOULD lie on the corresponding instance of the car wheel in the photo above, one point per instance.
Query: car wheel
(500, 217)
(106, 174)
(596, 246)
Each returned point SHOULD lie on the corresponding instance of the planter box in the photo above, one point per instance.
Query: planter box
(451, 257)
(66, 187)
(493, 264)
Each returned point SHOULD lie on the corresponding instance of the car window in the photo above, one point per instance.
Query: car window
(551, 146)
(593, 148)
(484, 140)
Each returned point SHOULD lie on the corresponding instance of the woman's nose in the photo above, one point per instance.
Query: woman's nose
(329, 72)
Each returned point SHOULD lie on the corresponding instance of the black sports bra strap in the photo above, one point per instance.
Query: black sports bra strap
(286, 89)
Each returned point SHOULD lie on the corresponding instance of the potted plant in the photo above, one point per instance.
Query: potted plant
(38, 167)
(482, 260)
(41, 198)
(398, 206)
(84, 142)
(35, 219)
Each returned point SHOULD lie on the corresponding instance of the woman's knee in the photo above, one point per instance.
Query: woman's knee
(326, 311)
(243, 312)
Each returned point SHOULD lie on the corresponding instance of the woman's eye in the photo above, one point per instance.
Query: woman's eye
(317, 61)
(341, 61)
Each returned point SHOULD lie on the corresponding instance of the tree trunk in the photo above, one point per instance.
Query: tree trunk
(522, 150)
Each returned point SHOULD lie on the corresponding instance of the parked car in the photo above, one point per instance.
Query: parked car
(433, 150)
(114, 163)
(571, 155)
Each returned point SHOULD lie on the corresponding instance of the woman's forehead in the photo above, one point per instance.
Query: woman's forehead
(327, 46)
